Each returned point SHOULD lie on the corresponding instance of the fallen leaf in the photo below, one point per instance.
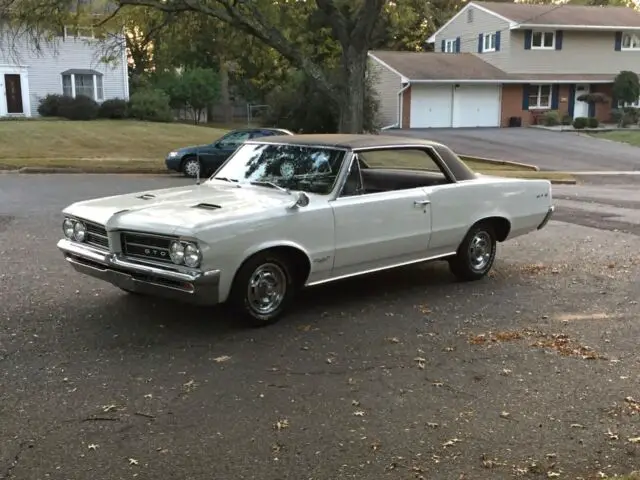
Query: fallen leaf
(451, 442)
(611, 435)
(358, 413)
(109, 408)
(437, 384)
(93, 446)
(504, 414)
(282, 424)
(222, 358)
(448, 349)
(634, 440)
(553, 474)
(432, 425)
(577, 425)
(148, 395)
(394, 340)
(133, 461)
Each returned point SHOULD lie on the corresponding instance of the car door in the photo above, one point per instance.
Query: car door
(376, 230)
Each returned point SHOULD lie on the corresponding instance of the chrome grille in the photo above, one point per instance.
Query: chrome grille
(145, 246)
(97, 236)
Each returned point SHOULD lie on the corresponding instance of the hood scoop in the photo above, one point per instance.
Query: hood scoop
(146, 196)
(207, 206)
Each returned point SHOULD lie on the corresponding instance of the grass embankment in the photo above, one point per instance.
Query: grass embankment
(632, 137)
(132, 146)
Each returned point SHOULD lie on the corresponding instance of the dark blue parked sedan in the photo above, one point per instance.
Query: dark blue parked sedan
(206, 159)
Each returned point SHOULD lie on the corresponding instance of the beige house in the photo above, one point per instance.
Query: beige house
(501, 64)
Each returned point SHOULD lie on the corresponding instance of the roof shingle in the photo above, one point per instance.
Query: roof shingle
(574, 15)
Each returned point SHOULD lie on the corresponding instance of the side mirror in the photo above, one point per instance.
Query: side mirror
(302, 200)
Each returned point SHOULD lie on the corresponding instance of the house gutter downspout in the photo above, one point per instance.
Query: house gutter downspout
(399, 122)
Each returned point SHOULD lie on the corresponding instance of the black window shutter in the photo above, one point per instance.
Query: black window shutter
(498, 41)
(458, 45)
(618, 45)
(480, 43)
(527, 39)
(559, 35)
(442, 44)
(525, 96)
(555, 92)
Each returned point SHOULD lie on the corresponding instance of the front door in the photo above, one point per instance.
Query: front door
(13, 89)
(374, 230)
(580, 108)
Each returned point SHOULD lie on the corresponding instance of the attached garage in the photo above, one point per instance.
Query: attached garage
(446, 106)
(476, 106)
(431, 106)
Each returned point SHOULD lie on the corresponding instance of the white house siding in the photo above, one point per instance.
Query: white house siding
(468, 31)
(44, 68)
(386, 85)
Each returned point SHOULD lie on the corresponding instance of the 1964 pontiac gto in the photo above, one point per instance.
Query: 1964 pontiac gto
(288, 212)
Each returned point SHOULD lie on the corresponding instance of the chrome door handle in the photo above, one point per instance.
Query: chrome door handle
(421, 203)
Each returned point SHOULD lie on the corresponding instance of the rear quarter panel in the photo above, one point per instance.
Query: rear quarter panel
(456, 207)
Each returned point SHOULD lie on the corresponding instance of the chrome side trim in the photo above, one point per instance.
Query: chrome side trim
(379, 269)
(547, 217)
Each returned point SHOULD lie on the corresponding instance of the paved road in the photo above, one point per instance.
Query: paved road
(384, 379)
(546, 149)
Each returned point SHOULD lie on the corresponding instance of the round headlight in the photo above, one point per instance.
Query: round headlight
(176, 252)
(191, 255)
(67, 227)
(79, 232)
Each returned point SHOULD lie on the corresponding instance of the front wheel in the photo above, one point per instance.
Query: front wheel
(475, 255)
(263, 288)
(191, 167)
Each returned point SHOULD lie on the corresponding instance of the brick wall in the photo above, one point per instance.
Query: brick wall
(603, 110)
(406, 108)
(512, 104)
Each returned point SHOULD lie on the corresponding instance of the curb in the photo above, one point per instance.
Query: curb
(563, 182)
(495, 161)
(70, 170)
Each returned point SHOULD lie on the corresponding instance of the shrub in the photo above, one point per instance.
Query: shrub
(616, 115)
(634, 113)
(150, 104)
(626, 87)
(626, 120)
(592, 122)
(78, 108)
(551, 118)
(580, 122)
(566, 119)
(113, 108)
(50, 105)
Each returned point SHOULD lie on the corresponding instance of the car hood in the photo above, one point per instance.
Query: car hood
(181, 210)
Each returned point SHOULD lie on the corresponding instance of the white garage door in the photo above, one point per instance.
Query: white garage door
(431, 106)
(476, 106)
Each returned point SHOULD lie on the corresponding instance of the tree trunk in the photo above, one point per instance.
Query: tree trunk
(225, 98)
(354, 65)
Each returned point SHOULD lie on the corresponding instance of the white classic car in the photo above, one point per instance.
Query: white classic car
(289, 212)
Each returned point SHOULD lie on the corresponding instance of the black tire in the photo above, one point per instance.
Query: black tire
(279, 271)
(188, 165)
(476, 254)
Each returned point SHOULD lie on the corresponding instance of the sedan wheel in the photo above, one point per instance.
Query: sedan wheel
(476, 254)
(191, 167)
(263, 288)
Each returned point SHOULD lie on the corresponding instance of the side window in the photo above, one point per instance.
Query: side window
(393, 169)
(353, 184)
(234, 139)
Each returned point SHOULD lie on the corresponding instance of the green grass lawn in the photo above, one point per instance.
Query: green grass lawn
(130, 145)
(632, 137)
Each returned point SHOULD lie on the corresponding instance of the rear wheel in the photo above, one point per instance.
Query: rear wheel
(263, 288)
(191, 167)
(476, 254)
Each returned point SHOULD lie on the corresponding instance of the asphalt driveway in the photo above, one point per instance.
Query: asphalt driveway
(547, 149)
(530, 373)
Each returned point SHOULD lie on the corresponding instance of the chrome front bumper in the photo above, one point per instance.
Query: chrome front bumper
(199, 288)
(547, 217)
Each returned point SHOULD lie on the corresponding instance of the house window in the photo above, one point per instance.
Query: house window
(543, 40)
(79, 32)
(89, 85)
(450, 46)
(539, 96)
(635, 104)
(630, 41)
(489, 42)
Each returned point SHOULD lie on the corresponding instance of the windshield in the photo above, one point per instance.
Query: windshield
(294, 167)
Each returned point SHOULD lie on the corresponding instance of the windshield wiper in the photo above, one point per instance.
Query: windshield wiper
(225, 179)
(262, 183)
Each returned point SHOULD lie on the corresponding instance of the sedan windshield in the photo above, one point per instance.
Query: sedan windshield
(294, 167)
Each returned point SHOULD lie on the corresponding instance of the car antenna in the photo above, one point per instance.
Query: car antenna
(198, 172)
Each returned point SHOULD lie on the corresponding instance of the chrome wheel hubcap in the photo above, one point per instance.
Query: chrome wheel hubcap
(267, 288)
(480, 250)
(192, 167)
